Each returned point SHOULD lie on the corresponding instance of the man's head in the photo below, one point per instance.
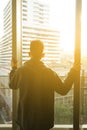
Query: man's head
(36, 49)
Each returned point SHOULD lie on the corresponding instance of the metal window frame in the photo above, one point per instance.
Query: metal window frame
(16, 49)
(77, 57)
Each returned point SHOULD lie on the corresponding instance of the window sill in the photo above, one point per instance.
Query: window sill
(56, 127)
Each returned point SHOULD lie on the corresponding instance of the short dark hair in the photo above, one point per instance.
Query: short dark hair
(36, 46)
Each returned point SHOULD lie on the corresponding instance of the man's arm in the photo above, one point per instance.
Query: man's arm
(62, 87)
(15, 79)
(14, 76)
(12, 72)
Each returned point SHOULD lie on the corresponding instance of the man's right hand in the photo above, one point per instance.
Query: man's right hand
(76, 67)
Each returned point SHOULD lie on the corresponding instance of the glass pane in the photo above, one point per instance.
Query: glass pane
(63, 19)
(53, 22)
(5, 100)
(84, 64)
(5, 55)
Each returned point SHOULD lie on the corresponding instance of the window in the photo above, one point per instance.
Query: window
(5, 54)
(56, 28)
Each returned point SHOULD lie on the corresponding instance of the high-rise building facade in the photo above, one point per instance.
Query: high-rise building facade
(35, 13)
(35, 25)
(6, 41)
(50, 39)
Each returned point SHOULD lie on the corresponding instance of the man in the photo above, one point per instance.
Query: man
(37, 84)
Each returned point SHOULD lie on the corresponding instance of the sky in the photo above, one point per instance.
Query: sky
(62, 17)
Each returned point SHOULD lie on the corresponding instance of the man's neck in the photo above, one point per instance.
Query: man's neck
(35, 59)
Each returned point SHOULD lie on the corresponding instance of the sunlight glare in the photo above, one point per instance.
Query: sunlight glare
(63, 19)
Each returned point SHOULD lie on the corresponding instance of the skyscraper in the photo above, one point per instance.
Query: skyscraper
(35, 25)
(6, 41)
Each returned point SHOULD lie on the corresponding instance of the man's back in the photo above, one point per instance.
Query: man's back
(37, 84)
(36, 101)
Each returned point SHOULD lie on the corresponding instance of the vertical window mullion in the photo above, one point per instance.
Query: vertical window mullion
(76, 116)
(16, 50)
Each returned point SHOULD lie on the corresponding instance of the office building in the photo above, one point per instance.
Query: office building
(35, 25)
